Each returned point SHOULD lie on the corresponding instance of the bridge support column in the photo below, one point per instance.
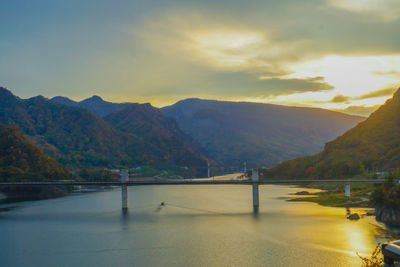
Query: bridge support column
(124, 190)
(255, 180)
(255, 197)
(208, 169)
(347, 190)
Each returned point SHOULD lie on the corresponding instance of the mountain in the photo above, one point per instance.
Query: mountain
(77, 137)
(150, 123)
(373, 144)
(65, 101)
(95, 103)
(21, 160)
(260, 134)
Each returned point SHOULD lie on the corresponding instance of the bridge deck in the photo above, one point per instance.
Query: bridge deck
(193, 182)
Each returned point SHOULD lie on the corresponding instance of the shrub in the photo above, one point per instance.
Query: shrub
(375, 260)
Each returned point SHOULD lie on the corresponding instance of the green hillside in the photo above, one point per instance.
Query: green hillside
(155, 128)
(21, 160)
(77, 138)
(373, 144)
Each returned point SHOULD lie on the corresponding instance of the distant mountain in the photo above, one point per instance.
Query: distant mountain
(21, 160)
(374, 144)
(77, 137)
(95, 103)
(260, 134)
(65, 101)
(150, 123)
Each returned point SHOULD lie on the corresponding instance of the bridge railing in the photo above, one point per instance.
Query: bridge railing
(152, 181)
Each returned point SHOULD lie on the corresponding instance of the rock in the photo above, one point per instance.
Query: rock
(302, 193)
(370, 213)
(353, 217)
(389, 216)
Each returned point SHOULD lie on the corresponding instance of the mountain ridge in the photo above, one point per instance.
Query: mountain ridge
(94, 103)
(77, 137)
(261, 134)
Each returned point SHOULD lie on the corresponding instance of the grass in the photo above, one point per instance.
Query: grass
(329, 199)
(334, 195)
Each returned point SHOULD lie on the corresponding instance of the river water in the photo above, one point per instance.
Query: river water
(201, 225)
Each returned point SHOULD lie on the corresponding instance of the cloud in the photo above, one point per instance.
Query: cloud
(221, 46)
(277, 86)
(221, 57)
(243, 49)
(385, 10)
(386, 92)
(340, 99)
(393, 73)
(359, 110)
(225, 49)
(351, 76)
(242, 84)
(378, 93)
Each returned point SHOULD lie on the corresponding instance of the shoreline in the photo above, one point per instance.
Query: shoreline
(59, 194)
(334, 196)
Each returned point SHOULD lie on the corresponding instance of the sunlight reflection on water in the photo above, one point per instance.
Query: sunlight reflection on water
(199, 226)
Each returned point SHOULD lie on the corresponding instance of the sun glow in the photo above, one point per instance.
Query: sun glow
(351, 76)
(269, 69)
(227, 49)
(228, 40)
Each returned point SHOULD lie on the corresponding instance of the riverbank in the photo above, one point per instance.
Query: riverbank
(334, 196)
(19, 194)
(14, 195)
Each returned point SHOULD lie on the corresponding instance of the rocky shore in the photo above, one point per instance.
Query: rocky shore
(389, 216)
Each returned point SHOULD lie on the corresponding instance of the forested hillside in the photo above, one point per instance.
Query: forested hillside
(76, 137)
(21, 160)
(372, 145)
(260, 134)
(228, 132)
(154, 127)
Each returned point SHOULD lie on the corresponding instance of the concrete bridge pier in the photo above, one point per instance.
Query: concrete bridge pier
(124, 190)
(347, 190)
(255, 179)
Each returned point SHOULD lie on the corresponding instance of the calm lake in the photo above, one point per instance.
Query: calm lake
(210, 225)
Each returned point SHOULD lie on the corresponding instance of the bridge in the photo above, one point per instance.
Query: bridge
(254, 182)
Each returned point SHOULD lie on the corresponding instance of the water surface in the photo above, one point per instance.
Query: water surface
(201, 225)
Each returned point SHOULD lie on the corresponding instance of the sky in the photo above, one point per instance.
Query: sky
(338, 54)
